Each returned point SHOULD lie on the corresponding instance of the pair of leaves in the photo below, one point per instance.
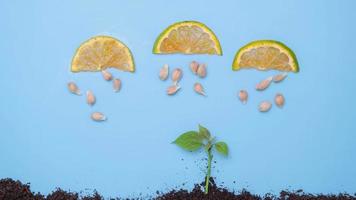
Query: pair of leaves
(193, 140)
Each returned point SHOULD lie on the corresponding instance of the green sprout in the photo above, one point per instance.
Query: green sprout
(194, 140)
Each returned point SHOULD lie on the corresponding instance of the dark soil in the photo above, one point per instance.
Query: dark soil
(11, 190)
(15, 190)
(215, 193)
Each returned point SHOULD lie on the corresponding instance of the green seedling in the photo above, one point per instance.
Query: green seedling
(195, 140)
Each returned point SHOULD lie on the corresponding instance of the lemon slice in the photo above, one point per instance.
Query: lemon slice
(188, 37)
(266, 55)
(101, 52)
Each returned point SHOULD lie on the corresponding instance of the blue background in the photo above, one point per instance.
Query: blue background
(48, 139)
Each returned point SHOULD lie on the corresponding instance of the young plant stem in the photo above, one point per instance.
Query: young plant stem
(208, 173)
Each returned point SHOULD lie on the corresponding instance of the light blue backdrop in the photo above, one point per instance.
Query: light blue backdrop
(48, 139)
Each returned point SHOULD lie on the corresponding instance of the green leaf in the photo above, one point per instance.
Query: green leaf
(222, 148)
(204, 132)
(190, 141)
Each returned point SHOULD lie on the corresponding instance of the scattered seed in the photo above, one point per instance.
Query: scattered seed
(116, 85)
(171, 90)
(194, 66)
(265, 106)
(279, 77)
(176, 75)
(90, 98)
(73, 88)
(279, 100)
(163, 73)
(202, 71)
(264, 84)
(243, 95)
(198, 88)
(97, 116)
(107, 75)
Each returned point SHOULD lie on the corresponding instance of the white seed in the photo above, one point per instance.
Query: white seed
(279, 100)
(243, 96)
(106, 75)
(265, 106)
(90, 98)
(198, 88)
(73, 88)
(176, 75)
(264, 84)
(171, 90)
(97, 116)
(116, 85)
(163, 73)
(202, 71)
(279, 77)
(194, 66)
